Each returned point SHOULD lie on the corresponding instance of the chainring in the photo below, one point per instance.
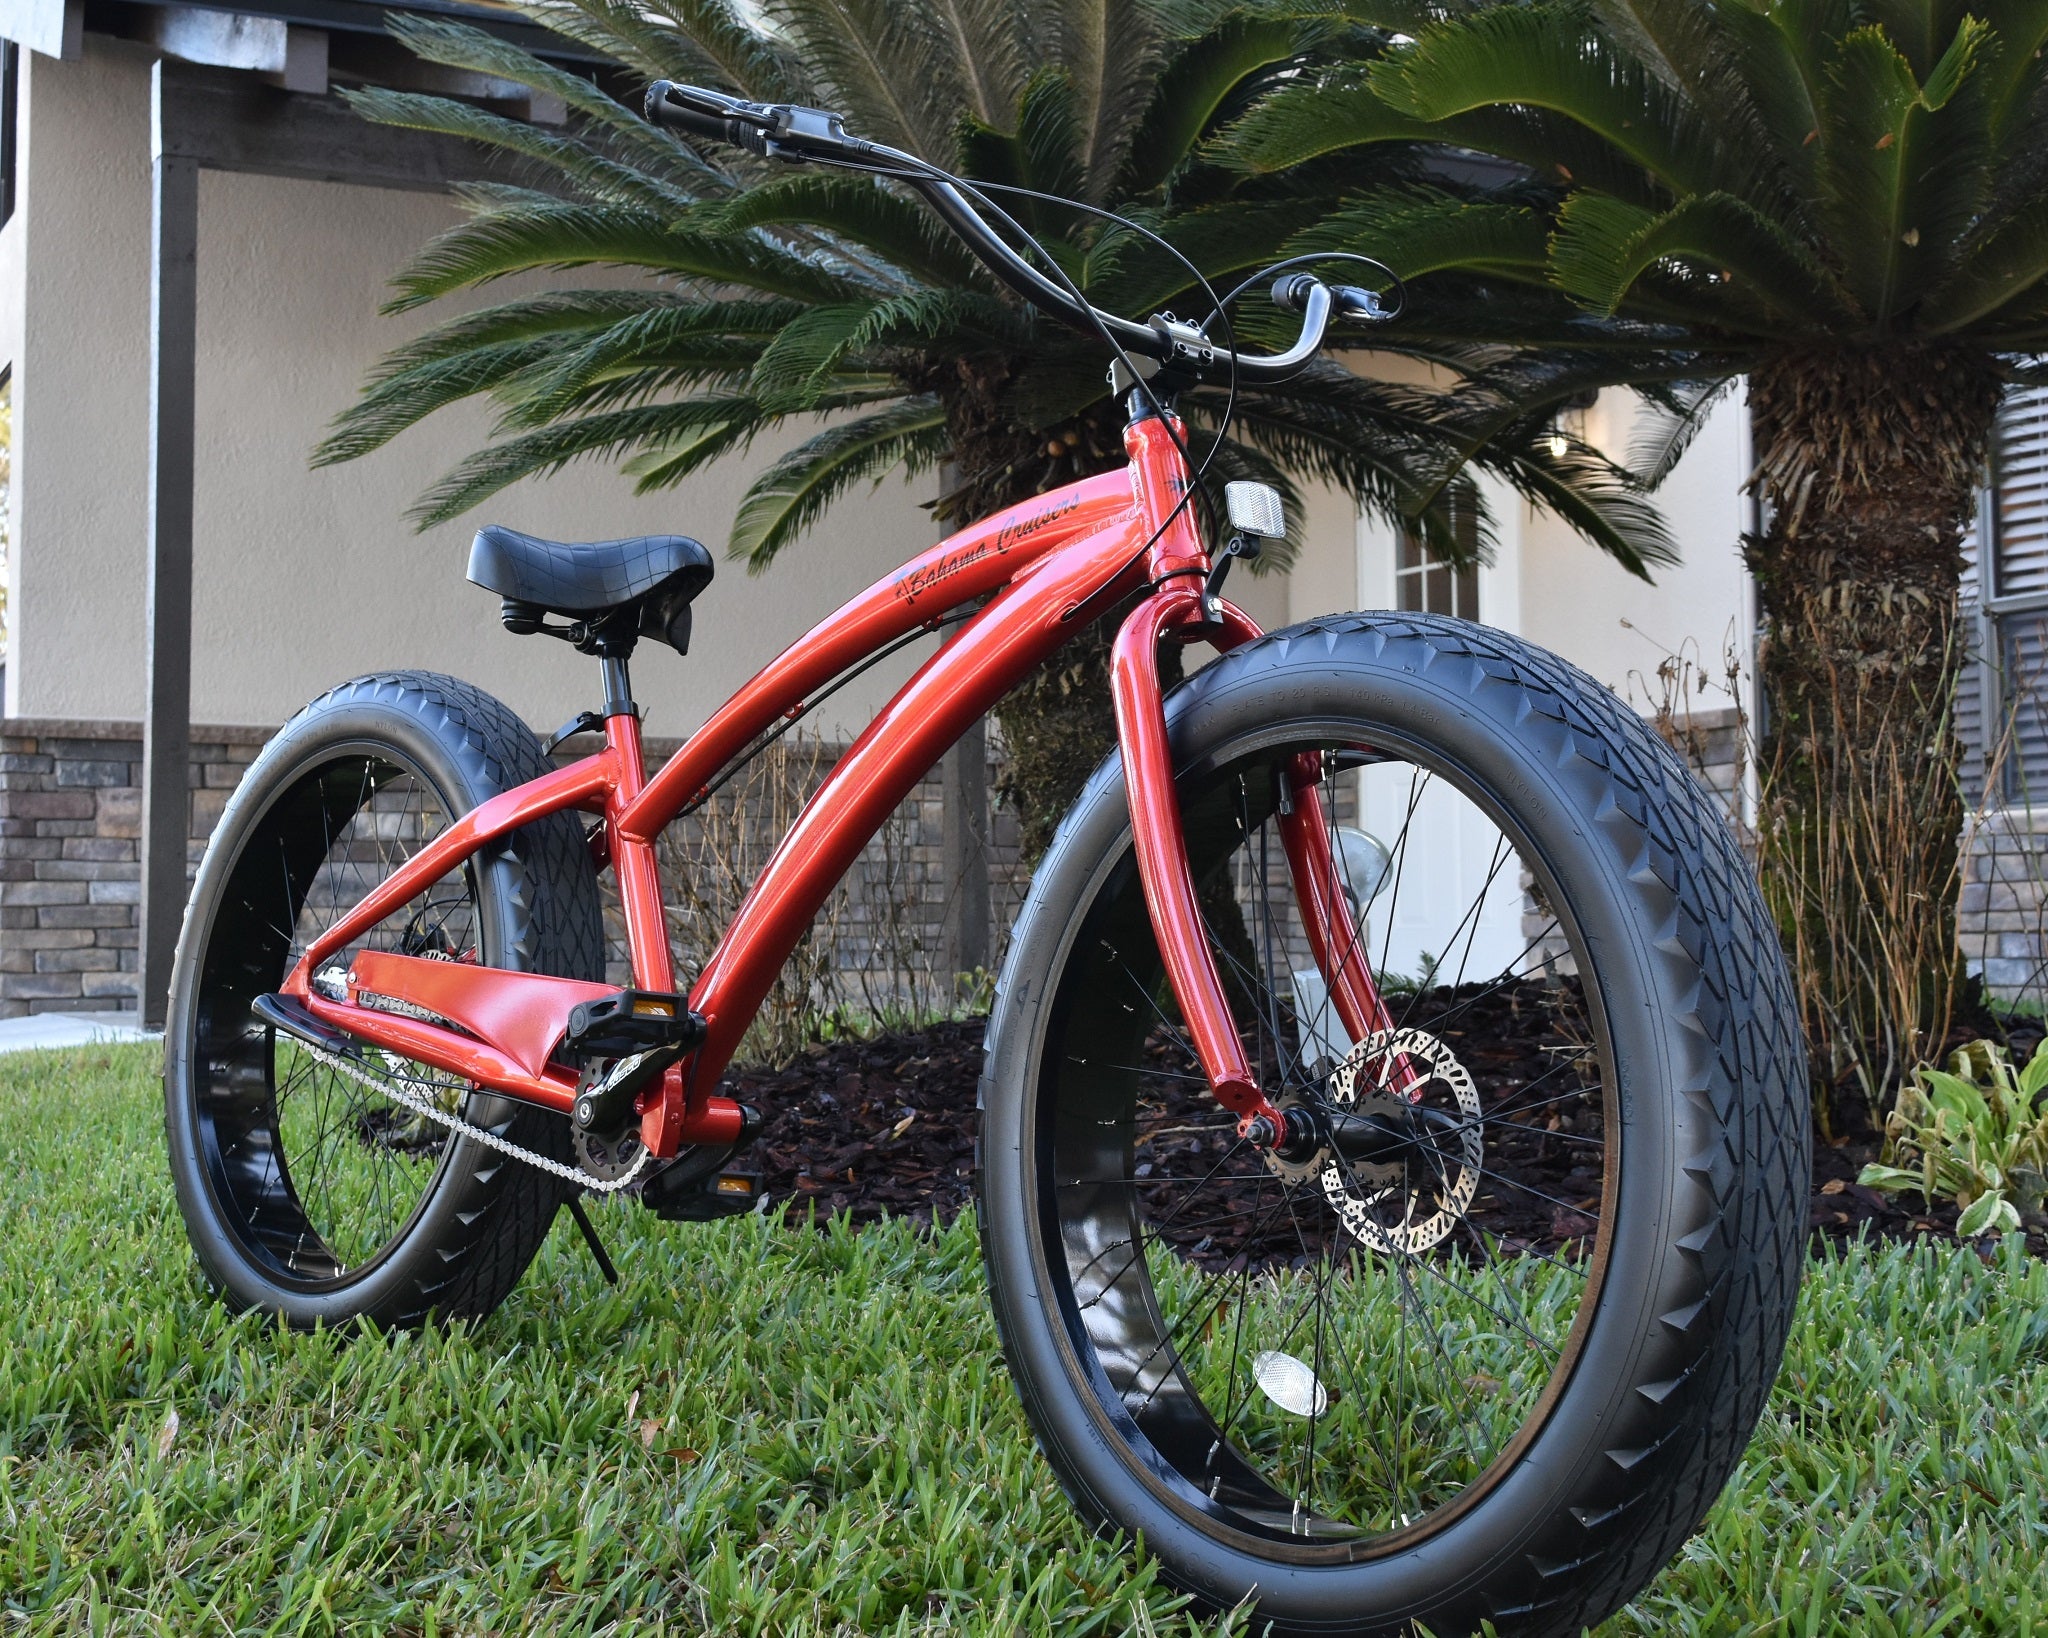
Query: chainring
(607, 1156)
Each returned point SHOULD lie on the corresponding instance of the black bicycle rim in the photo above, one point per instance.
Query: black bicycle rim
(1328, 1360)
(320, 1177)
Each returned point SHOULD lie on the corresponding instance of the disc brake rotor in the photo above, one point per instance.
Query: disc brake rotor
(1413, 1205)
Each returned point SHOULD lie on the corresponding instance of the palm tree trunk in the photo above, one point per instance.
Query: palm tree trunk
(1869, 461)
(1058, 723)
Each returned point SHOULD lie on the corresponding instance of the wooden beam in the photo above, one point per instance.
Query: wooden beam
(224, 121)
(167, 704)
(56, 28)
(963, 852)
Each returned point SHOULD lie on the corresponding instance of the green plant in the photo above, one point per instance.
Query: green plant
(1976, 1132)
(764, 1429)
(767, 297)
(1842, 202)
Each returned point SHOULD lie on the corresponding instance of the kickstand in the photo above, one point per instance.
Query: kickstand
(604, 1263)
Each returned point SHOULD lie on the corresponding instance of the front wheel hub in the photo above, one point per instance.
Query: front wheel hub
(1402, 1167)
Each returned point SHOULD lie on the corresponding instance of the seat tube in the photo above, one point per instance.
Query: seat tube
(633, 862)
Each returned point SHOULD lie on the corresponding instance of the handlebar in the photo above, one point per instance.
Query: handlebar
(789, 132)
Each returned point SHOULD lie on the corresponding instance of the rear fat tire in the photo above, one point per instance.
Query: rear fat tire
(1689, 1321)
(484, 1215)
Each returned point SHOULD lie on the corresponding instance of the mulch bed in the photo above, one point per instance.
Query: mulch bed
(863, 1129)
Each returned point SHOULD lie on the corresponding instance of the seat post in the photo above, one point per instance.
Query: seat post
(618, 687)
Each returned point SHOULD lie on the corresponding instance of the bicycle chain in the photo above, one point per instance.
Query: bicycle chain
(490, 1140)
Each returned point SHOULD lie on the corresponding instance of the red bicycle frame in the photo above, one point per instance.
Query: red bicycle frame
(1047, 567)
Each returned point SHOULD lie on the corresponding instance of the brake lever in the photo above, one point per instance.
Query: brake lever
(1347, 301)
(1353, 301)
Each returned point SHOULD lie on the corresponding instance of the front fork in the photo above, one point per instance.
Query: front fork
(1178, 611)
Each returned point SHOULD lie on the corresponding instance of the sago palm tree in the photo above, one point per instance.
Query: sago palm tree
(1845, 201)
(835, 302)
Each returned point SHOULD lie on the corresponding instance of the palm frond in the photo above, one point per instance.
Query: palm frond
(882, 69)
(1417, 231)
(1111, 50)
(791, 370)
(787, 498)
(1667, 428)
(458, 45)
(595, 176)
(1903, 166)
(521, 236)
(987, 48)
(2006, 269)
(709, 42)
(405, 397)
(858, 209)
(675, 343)
(616, 433)
(1312, 119)
(476, 353)
(1603, 247)
(1541, 56)
(1596, 497)
(1202, 80)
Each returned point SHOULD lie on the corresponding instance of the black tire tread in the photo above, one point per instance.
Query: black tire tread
(555, 923)
(1744, 1235)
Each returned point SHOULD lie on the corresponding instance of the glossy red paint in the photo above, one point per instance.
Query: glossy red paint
(1333, 933)
(971, 564)
(473, 1060)
(1046, 567)
(984, 660)
(524, 1015)
(580, 785)
(1161, 846)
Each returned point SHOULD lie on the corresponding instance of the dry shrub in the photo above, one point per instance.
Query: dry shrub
(872, 955)
(1880, 992)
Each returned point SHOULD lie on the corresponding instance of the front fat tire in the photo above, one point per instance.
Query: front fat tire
(538, 909)
(1689, 1322)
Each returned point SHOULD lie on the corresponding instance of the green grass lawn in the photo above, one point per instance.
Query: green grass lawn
(773, 1430)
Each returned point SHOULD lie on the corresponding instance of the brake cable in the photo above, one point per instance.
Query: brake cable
(974, 190)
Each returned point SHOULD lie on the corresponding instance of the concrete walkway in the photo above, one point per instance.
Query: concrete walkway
(70, 1029)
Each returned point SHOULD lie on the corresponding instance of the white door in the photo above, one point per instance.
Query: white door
(1455, 896)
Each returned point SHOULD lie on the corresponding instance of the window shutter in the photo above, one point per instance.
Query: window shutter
(2020, 496)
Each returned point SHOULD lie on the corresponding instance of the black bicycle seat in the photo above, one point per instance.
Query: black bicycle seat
(570, 579)
(535, 577)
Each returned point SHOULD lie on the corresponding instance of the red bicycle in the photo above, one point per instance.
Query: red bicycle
(1390, 1235)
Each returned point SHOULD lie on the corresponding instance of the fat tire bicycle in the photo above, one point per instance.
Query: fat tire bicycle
(1377, 1286)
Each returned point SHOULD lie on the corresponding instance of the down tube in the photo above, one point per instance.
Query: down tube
(992, 653)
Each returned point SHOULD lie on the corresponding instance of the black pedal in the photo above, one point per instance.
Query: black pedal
(723, 1192)
(703, 1183)
(629, 1021)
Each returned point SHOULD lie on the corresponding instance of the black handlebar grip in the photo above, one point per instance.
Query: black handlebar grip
(670, 106)
(1290, 291)
(1353, 302)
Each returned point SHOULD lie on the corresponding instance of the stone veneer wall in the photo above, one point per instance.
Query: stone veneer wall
(71, 817)
(70, 828)
(71, 821)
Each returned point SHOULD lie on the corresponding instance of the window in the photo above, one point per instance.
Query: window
(1429, 587)
(10, 104)
(2003, 706)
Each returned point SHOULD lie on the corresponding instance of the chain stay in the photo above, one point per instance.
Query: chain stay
(490, 1140)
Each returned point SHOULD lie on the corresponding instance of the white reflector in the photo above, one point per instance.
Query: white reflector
(1255, 509)
(1289, 1383)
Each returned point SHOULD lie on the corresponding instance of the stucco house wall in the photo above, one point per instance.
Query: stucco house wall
(303, 577)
